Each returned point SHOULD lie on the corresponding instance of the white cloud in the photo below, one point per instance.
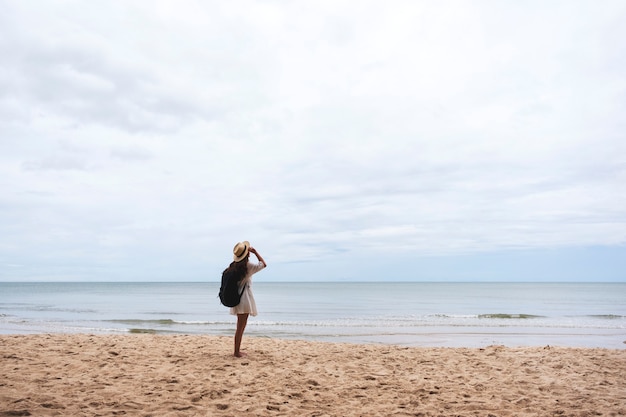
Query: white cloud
(155, 136)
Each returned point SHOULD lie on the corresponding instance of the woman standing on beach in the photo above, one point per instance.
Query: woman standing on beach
(244, 268)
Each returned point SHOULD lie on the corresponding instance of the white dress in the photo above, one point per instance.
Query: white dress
(247, 304)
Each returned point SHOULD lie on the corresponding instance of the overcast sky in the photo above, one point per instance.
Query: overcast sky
(347, 140)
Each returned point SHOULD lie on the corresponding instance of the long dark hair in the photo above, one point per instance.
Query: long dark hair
(239, 269)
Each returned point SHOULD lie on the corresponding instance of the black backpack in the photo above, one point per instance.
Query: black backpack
(229, 290)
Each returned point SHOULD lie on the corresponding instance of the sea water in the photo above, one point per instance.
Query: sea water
(407, 313)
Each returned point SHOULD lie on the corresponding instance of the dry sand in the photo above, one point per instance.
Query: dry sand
(156, 375)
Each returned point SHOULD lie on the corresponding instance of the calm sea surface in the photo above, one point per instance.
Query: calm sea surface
(412, 314)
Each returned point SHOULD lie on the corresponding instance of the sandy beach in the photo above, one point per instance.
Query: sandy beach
(158, 375)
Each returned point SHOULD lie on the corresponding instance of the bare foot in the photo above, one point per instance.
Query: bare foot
(240, 354)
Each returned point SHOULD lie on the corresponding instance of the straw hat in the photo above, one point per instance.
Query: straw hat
(240, 251)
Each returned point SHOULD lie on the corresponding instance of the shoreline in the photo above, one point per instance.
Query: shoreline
(427, 337)
(150, 375)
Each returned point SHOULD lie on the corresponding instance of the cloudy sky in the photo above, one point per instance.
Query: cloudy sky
(347, 140)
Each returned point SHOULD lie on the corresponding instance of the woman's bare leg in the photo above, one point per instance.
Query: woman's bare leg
(242, 320)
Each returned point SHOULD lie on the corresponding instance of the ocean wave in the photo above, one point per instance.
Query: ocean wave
(508, 316)
(378, 325)
(476, 322)
(166, 322)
